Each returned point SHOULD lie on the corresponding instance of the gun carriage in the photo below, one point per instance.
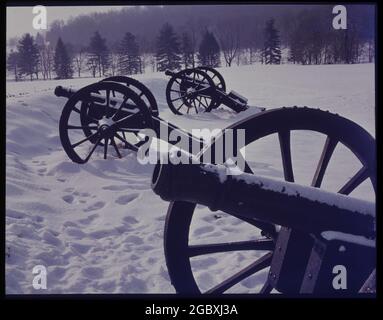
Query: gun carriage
(300, 259)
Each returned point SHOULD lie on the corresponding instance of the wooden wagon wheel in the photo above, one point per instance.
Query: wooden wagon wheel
(218, 80)
(189, 92)
(338, 131)
(140, 89)
(116, 110)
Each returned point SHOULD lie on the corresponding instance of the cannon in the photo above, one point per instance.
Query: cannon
(298, 254)
(202, 89)
(291, 247)
(106, 113)
(309, 211)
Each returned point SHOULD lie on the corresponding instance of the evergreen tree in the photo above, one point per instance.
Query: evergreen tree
(209, 51)
(13, 63)
(128, 55)
(62, 61)
(187, 50)
(28, 54)
(272, 45)
(168, 49)
(98, 54)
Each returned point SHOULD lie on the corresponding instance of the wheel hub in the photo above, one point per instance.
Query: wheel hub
(106, 126)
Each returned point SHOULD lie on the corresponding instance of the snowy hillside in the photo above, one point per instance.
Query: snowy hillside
(98, 227)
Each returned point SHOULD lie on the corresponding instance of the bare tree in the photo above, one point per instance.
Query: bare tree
(114, 63)
(229, 38)
(79, 61)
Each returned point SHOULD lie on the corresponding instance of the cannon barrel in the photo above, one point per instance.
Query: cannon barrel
(61, 91)
(283, 203)
(96, 98)
(169, 73)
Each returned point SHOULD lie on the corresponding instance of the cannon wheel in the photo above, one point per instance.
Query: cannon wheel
(142, 91)
(218, 80)
(186, 92)
(338, 130)
(106, 124)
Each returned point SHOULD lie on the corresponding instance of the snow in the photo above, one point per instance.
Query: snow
(341, 201)
(350, 238)
(98, 227)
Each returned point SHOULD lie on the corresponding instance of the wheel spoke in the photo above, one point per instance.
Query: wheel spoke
(178, 109)
(115, 147)
(106, 147)
(284, 142)
(107, 102)
(201, 103)
(324, 160)
(127, 144)
(195, 107)
(355, 181)
(123, 130)
(258, 265)
(119, 108)
(82, 127)
(75, 109)
(259, 244)
(83, 140)
(125, 118)
(91, 151)
(267, 287)
(180, 97)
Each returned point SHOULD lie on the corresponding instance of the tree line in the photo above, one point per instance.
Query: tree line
(308, 43)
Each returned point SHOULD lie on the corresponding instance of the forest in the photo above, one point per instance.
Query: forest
(155, 38)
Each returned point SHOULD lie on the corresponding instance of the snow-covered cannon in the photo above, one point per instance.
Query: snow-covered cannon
(296, 261)
(90, 112)
(202, 89)
(304, 260)
(111, 112)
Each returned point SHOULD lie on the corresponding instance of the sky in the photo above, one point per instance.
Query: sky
(19, 19)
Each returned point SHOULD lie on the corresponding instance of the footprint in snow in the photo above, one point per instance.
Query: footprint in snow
(92, 272)
(203, 230)
(88, 219)
(125, 199)
(68, 198)
(116, 187)
(95, 206)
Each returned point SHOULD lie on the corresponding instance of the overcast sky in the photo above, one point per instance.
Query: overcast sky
(19, 19)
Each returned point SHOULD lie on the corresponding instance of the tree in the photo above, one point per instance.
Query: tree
(168, 49)
(79, 60)
(28, 56)
(62, 60)
(98, 54)
(129, 61)
(272, 44)
(46, 57)
(209, 51)
(229, 37)
(13, 63)
(187, 51)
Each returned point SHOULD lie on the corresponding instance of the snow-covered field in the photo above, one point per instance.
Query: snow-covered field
(98, 227)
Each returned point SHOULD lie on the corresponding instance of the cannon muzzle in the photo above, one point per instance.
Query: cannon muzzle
(283, 203)
(169, 73)
(64, 92)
